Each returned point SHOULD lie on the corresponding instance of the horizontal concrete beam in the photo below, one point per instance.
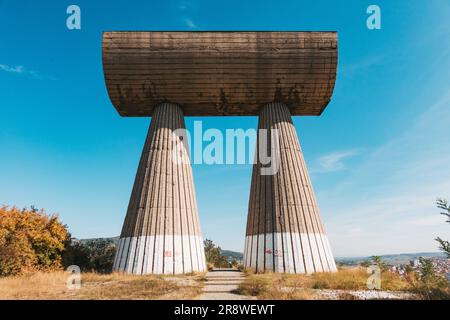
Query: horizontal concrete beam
(219, 73)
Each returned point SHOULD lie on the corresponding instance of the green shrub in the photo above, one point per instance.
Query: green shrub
(431, 285)
(91, 256)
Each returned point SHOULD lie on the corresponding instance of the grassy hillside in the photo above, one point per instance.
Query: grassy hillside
(53, 286)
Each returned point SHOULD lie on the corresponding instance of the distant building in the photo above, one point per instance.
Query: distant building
(414, 263)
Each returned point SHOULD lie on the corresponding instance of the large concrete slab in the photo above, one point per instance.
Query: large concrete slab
(219, 73)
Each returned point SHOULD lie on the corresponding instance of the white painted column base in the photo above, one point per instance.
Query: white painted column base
(170, 254)
(289, 252)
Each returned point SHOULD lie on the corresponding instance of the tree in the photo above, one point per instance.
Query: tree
(30, 240)
(427, 273)
(444, 245)
(213, 255)
(365, 263)
(95, 255)
(212, 252)
(432, 285)
(376, 260)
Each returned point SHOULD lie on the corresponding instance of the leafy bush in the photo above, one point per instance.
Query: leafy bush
(30, 240)
(378, 261)
(91, 256)
(431, 285)
(254, 286)
(213, 255)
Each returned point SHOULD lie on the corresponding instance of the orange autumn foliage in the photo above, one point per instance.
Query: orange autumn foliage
(30, 240)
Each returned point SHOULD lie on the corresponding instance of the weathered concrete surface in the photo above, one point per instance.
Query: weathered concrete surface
(219, 73)
(284, 230)
(221, 284)
(161, 233)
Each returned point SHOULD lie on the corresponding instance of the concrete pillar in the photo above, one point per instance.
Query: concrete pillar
(161, 233)
(284, 229)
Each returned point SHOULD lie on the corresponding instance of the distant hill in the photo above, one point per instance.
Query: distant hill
(391, 259)
(232, 255)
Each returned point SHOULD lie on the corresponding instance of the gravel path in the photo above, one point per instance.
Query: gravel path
(221, 284)
(365, 295)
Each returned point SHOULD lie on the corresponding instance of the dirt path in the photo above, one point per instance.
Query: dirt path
(221, 285)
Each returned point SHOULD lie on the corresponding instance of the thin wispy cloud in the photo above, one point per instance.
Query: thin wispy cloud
(19, 69)
(392, 193)
(334, 161)
(12, 69)
(187, 10)
(182, 7)
(429, 221)
(362, 64)
(190, 23)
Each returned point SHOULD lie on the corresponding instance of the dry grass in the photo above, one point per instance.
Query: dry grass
(303, 287)
(52, 286)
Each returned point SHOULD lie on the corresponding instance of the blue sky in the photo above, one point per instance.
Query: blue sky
(379, 156)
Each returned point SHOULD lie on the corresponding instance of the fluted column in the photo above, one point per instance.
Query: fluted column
(161, 233)
(284, 229)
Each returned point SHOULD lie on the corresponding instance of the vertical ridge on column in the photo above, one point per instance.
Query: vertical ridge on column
(282, 206)
(161, 232)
